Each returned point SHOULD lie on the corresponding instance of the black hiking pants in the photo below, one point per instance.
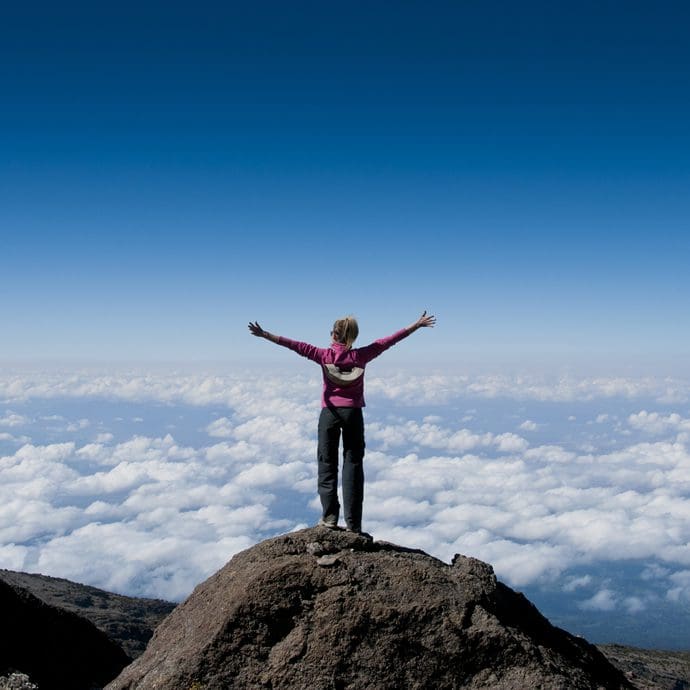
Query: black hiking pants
(350, 421)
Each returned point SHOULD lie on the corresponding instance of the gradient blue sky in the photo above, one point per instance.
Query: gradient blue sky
(170, 171)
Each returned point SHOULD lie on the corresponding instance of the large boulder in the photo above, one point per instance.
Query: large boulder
(329, 609)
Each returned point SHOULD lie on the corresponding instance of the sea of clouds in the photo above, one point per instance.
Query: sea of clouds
(147, 482)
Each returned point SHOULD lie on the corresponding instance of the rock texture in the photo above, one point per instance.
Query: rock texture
(128, 621)
(17, 681)
(329, 609)
(649, 669)
(56, 649)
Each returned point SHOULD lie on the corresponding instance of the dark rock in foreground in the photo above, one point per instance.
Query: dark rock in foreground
(128, 621)
(322, 609)
(17, 681)
(56, 649)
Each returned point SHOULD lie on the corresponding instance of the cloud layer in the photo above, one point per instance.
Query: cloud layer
(554, 480)
(237, 389)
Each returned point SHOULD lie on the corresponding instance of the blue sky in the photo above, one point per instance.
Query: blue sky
(169, 172)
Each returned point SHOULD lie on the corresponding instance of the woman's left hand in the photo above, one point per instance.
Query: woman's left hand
(425, 321)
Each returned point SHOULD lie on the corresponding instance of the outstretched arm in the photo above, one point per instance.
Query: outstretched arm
(368, 352)
(259, 332)
(304, 349)
(424, 321)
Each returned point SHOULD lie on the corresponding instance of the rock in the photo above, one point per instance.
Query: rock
(17, 681)
(650, 669)
(380, 616)
(315, 548)
(128, 621)
(55, 648)
(326, 561)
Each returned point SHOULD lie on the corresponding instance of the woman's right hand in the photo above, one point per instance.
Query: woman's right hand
(256, 330)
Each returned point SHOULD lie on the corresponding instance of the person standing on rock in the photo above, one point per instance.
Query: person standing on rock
(341, 411)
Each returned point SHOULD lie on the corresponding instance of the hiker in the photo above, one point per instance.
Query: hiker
(341, 409)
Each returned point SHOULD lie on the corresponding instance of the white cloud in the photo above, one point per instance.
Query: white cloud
(426, 435)
(510, 443)
(634, 604)
(251, 393)
(680, 591)
(654, 571)
(528, 425)
(89, 553)
(78, 425)
(557, 508)
(657, 424)
(603, 600)
(15, 440)
(269, 475)
(220, 428)
(167, 514)
(11, 419)
(12, 557)
(573, 583)
(270, 393)
(440, 389)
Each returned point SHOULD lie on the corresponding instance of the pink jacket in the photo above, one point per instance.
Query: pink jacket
(343, 368)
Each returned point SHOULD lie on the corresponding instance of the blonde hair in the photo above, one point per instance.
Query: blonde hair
(345, 330)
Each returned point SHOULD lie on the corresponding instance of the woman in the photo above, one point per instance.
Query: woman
(342, 402)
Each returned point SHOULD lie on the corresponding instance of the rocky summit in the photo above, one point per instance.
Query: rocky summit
(330, 609)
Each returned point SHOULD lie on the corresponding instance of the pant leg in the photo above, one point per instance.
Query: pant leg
(327, 456)
(353, 465)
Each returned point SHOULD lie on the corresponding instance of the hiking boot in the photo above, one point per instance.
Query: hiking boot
(330, 522)
(359, 533)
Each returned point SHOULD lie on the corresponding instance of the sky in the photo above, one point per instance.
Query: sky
(169, 172)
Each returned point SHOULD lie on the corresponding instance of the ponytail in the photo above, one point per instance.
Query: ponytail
(345, 331)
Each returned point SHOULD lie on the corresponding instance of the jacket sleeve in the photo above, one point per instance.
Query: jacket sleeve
(315, 354)
(369, 352)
